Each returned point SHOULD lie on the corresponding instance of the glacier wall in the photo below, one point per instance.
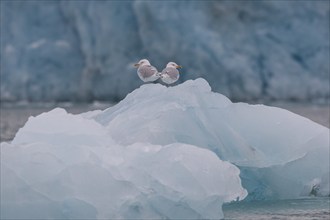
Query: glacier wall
(83, 51)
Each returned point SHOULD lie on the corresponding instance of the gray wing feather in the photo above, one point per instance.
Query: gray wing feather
(171, 72)
(147, 71)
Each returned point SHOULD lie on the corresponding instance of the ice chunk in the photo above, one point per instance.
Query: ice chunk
(250, 136)
(57, 126)
(66, 166)
(162, 152)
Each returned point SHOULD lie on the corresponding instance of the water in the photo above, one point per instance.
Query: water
(304, 208)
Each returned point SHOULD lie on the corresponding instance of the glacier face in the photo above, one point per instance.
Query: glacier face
(68, 50)
(162, 152)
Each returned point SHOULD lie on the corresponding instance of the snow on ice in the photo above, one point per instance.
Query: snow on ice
(162, 152)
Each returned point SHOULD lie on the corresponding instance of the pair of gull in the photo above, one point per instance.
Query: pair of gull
(149, 73)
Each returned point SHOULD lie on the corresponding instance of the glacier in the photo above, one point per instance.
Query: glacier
(81, 51)
(176, 152)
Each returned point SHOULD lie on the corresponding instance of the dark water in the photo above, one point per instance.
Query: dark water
(304, 208)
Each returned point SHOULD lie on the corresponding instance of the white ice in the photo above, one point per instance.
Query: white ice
(162, 152)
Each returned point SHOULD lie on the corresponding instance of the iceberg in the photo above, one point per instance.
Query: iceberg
(263, 141)
(163, 152)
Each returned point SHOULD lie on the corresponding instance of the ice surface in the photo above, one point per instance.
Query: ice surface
(247, 135)
(162, 152)
(139, 181)
(66, 166)
(257, 138)
(245, 50)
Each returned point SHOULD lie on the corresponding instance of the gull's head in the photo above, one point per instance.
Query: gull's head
(174, 65)
(142, 62)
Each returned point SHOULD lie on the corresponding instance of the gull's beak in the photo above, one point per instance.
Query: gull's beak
(178, 66)
(136, 65)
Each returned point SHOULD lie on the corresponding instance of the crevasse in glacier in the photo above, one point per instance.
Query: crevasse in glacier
(162, 152)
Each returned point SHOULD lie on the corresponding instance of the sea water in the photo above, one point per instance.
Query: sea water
(304, 208)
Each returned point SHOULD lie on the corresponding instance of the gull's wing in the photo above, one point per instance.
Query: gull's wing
(147, 71)
(171, 72)
(169, 75)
